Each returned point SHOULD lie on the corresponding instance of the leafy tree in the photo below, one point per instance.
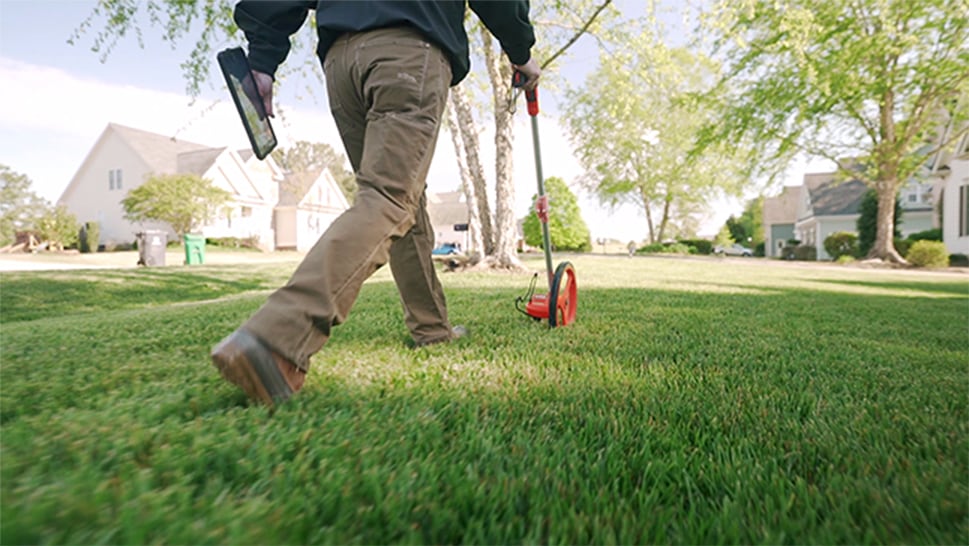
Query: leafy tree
(20, 207)
(875, 80)
(58, 227)
(867, 222)
(632, 129)
(559, 23)
(748, 229)
(305, 160)
(724, 237)
(183, 201)
(566, 228)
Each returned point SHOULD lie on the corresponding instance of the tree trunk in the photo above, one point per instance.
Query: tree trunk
(461, 107)
(664, 221)
(649, 216)
(476, 244)
(884, 247)
(887, 185)
(506, 228)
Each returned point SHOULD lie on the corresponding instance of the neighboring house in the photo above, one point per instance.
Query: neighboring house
(780, 212)
(308, 204)
(448, 212)
(953, 175)
(827, 205)
(123, 158)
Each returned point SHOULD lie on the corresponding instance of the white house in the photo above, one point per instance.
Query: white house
(307, 206)
(123, 158)
(954, 176)
(448, 213)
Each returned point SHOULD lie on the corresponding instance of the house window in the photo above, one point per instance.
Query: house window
(912, 198)
(246, 212)
(963, 210)
(114, 179)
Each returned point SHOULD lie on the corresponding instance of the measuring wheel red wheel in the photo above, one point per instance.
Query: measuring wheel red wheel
(563, 297)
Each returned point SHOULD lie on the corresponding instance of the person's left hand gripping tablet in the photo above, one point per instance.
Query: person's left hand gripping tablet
(264, 85)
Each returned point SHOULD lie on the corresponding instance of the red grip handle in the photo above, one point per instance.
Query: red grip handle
(531, 97)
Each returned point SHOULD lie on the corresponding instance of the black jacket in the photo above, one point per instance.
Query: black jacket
(268, 24)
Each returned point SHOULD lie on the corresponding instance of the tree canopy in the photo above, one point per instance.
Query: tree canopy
(875, 81)
(632, 129)
(183, 201)
(20, 207)
(305, 160)
(566, 228)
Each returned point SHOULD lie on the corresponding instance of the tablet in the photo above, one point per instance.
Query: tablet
(238, 77)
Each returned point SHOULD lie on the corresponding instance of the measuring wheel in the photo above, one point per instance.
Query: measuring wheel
(564, 296)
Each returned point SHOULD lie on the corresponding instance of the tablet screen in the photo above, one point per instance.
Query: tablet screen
(238, 77)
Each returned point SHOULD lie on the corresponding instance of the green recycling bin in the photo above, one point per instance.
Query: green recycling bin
(194, 249)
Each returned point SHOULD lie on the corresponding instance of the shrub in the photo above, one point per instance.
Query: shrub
(702, 246)
(928, 254)
(958, 260)
(233, 242)
(902, 246)
(652, 248)
(805, 253)
(841, 243)
(927, 235)
(678, 248)
(89, 237)
(845, 259)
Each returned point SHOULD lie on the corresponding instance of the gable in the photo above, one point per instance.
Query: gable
(447, 209)
(316, 189)
(782, 209)
(837, 198)
(159, 152)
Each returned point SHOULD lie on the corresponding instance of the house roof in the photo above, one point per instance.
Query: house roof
(197, 162)
(835, 197)
(782, 209)
(295, 186)
(159, 152)
(447, 208)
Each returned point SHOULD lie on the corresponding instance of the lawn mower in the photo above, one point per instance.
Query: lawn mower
(558, 305)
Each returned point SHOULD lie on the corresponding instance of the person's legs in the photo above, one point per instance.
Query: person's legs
(425, 309)
(387, 92)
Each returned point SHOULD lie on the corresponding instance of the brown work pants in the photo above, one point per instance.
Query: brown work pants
(387, 90)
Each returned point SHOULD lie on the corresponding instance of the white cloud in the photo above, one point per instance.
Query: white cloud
(52, 119)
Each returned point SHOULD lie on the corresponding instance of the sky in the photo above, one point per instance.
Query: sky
(58, 98)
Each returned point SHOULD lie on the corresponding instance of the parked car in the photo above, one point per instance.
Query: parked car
(446, 249)
(733, 250)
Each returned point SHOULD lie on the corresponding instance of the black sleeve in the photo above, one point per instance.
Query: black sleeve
(268, 24)
(508, 21)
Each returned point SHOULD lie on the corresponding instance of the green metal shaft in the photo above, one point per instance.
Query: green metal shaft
(546, 240)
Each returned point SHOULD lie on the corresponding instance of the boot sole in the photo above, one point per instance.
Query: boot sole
(235, 357)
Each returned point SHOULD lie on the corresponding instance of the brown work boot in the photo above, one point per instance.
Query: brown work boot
(263, 375)
(457, 332)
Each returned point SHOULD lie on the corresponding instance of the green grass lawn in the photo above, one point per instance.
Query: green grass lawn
(694, 401)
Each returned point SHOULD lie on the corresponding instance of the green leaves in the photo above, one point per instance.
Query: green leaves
(184, 201)
(567, 230)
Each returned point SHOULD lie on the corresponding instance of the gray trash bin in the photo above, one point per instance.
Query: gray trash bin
(151, 247)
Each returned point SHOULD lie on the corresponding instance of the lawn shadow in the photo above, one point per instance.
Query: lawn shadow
(36, 295)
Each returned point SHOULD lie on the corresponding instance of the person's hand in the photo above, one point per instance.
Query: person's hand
(532, 72)
(264, 85)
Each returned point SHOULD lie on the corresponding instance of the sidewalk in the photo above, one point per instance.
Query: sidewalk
(55, 261)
